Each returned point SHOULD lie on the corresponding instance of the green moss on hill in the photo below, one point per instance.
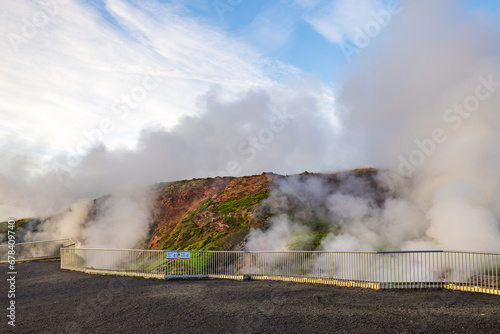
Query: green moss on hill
(218, 213)
(208, 213)
(245, 203)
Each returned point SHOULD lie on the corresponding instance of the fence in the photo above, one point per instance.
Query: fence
(33, 250)
(467, 271)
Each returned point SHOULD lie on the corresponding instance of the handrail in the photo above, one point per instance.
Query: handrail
(34, 242)
(33, 250)
(468, 271)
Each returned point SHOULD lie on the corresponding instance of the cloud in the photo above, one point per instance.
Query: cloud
(425, 100)
(341, 20)
(79, 68)
(187, 101)
(412, 86)
(255, 130)
(283, 128)
(272, 28)
(102, 98)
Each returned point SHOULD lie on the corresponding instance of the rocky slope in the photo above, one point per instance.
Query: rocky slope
(219, 213)
(214, 213)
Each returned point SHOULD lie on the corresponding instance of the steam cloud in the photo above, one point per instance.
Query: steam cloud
(258, 129)
(426, 100)
(423, 105)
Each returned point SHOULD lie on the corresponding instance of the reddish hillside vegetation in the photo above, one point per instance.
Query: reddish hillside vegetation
(218, 213)
(213, 213)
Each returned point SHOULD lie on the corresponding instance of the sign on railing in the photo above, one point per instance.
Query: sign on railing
(171, 255)
(469, 271)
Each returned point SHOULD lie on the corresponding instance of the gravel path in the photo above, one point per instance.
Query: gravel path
(50, 300)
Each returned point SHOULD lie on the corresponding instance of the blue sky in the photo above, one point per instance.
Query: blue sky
(304, 46)
(62, 80)
(156, 90)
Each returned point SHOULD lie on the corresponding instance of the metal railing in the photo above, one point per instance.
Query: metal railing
(469, 271)
(33, 250)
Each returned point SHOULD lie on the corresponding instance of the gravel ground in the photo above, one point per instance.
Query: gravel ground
(50, 300)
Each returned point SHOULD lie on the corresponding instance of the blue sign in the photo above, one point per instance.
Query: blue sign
(171, 255)
(184, 255)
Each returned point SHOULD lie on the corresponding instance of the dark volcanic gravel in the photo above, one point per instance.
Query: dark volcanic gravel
(50, 300)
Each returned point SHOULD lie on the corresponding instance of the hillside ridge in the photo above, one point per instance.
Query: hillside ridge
(220, 213)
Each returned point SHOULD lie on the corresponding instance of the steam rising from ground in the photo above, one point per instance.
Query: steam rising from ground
(424, 103)
(426, 100)
(254, 130)
(117, 221)
(351, 214)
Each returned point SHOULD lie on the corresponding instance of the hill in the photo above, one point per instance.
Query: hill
(213, 213)
(220, 213)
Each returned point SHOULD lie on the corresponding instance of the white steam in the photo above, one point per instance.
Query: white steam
(277, 237)
(118, 221)
(124, 222)
(352, 213)
(426, 98)
(68, 224)
(252, 131)
(424, 103)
